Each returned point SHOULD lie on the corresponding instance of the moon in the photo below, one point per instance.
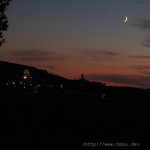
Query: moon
(126, 19)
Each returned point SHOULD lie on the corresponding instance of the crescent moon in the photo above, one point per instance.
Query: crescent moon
(126, 19)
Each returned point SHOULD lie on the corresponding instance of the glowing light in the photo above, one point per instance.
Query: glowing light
(61, 86)
(25, 77)
(103, 95)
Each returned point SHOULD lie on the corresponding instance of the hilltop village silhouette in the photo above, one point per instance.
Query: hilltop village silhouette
(22, 79)
(16, 78)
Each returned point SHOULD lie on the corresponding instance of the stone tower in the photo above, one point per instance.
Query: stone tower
(82, 76)
(26, 74)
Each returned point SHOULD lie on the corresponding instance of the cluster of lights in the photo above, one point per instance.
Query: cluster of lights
(14, 84)
(30, 86)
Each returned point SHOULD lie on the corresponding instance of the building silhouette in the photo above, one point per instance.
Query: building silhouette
(26, 74)
(82, 76)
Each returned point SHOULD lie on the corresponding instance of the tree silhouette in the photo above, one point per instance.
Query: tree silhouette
(3, 19)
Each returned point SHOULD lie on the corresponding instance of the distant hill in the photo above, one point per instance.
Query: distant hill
(12, 71)
(40, 81)
(13, 74)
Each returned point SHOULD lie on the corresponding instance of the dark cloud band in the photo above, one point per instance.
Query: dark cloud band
(139, 81)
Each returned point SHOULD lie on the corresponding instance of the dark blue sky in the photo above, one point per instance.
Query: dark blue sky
(70, 37)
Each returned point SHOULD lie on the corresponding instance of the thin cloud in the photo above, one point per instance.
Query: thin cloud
(146, 72)
(140, 57)
(143, 24)
(30, 53)
(98, 54)
(140, 81)
(38, 55)
(142, 69)
(147, 42)
(109, 53)
(75, 55)
(139, 67)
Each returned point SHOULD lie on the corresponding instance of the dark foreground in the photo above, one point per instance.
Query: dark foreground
(73, 122)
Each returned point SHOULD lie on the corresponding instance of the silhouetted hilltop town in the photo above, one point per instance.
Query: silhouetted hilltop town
(16, 78)
(26, 79)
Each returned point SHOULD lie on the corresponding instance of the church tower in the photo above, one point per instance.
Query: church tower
(82, 76)
(26, 74)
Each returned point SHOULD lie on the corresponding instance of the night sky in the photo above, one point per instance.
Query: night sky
(71, 37)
